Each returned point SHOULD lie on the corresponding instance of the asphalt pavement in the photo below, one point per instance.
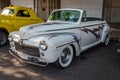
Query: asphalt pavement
(98, 63)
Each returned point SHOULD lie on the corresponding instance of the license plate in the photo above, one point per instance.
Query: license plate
(32, 59)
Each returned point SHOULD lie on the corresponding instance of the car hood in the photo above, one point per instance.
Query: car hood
(42, 29)
(2, 17)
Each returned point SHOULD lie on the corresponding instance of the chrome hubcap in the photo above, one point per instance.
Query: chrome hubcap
(66, 55)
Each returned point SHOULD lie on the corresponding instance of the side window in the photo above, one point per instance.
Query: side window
(67, 16)
(74, 17)
(84, 17)
(23, 13)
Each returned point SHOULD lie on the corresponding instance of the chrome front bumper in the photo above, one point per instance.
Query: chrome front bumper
(28, 59)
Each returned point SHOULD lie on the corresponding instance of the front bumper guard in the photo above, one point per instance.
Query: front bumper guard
(38, 63)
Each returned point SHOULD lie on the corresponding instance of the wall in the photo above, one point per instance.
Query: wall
(92, 7)
(4, 3)
(44, 7)
(25, 3)
(115, 15)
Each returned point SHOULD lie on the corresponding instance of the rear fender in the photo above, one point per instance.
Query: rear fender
(105, 32)
(4, 30)
(8, 28)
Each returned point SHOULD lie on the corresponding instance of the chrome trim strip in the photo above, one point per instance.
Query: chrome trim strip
(67, 43)
(70, 28)
(62, 29)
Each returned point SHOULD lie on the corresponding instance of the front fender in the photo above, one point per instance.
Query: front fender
(7, 27)
(56, 44)
(63, 39)
(105, 32)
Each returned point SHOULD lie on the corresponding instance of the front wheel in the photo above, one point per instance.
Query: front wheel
(65, 58)
(3, 38)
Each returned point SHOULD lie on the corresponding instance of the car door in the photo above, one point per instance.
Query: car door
(22, 18)
(90, 34)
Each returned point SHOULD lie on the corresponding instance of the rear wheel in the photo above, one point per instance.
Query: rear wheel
(3, 38)
(65, 58)
(107, 40)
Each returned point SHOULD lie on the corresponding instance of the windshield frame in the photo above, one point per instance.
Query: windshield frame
(74, 10)
(8, 13)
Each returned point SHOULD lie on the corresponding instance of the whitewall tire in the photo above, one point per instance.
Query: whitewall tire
(65, 58)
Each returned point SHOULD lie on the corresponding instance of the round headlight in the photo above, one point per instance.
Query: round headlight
(43, 45)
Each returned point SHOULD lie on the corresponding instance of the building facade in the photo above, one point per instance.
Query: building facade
(4, 3)
(107, 9)
(111, 11)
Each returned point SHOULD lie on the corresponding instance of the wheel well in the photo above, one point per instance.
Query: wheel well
(4, 30)
(74, 49)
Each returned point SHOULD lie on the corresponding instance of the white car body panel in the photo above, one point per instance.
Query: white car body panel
(57, 35)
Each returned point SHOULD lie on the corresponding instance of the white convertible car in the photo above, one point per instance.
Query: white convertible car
(65, 35)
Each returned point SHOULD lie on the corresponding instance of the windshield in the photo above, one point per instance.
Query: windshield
(65, 15)
(7, 12)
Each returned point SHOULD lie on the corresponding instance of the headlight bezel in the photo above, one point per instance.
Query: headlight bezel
(43, 45)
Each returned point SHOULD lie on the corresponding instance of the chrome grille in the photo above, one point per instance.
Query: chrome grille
(27, 50)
